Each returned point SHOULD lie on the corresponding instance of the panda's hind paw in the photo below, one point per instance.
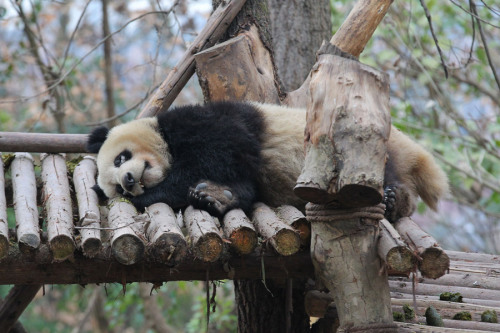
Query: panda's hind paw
(398, 201)
(213, 198)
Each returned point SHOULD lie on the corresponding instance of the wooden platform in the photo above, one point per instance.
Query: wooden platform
(63, 236)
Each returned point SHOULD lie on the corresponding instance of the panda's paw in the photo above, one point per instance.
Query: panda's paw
(213, 198)
(398, 201)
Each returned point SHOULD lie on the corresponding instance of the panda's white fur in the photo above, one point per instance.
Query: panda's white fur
(281, 154)
(143, 139)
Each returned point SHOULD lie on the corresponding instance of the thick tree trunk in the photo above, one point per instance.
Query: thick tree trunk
(258, 309)
(298, 29)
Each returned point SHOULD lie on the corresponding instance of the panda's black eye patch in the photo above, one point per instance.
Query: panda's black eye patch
(122, 157)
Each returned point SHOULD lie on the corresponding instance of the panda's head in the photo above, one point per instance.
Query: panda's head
(130, 157)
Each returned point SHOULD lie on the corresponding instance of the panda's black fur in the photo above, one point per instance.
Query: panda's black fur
(228, 155)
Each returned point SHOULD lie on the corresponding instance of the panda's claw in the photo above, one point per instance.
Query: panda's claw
(398, 201)
(201, 186)
(213, 198)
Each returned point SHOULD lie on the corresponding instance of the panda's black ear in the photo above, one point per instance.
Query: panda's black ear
(96, 139)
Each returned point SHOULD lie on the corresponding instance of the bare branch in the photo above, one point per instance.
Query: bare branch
(483, 39)
(428, 16)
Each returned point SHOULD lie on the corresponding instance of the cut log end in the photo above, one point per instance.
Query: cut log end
(312, 192)
(91, 247)
(169, 248)
(209, 247)
(400, 260)
(355, 195)
(62, 247)
(29, 241)
(243, 240)
(286, 242)
(127, 249)
(435, 263)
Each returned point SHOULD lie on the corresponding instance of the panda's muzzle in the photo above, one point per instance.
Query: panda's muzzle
(128, 182)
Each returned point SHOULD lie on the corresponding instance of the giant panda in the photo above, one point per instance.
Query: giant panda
(226, 155)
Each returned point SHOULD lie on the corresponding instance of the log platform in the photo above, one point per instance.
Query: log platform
(113, 243)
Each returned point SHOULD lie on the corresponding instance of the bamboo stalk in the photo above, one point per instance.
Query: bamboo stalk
(280, 235)
(26, 211)
(4, 225)
(204, 234)
(88, 205)
(127, 247)
(240, 231)
(167, 241)
(58, 205)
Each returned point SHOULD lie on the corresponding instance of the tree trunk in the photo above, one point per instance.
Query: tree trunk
(258, 309)
(262, 308)
(296, 40)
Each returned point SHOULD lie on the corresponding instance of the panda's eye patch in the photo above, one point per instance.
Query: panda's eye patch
(122, 157)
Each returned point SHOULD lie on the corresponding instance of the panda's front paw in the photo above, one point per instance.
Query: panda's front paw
(399, 202)
(213, 198)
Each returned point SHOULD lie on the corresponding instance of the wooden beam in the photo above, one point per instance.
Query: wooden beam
(19, 297)
(42, 142)
(39, 268)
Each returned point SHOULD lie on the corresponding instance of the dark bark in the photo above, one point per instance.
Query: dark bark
(261, 308)
(298, 28)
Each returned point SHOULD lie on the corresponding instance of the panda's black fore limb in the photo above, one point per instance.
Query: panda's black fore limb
(399, 202)
(213, 198)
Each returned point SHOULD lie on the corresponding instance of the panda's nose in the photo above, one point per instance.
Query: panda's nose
(128, 182)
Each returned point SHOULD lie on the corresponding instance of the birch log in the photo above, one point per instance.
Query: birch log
(4, 225)
(283, 238)
(348, 125)
(26, 210)
(204, 234)
(434, 261)
(240, 231)
(57, 205)
(88, 205)
(127, 247)
(167, 241)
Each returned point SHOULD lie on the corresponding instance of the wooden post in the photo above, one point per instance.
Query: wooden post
(348, 125)
(344, 254)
